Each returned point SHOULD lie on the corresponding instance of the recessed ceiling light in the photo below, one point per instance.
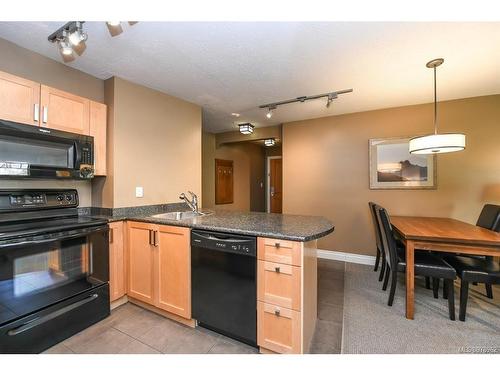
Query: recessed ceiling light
(269, 142)
(246, 128)
(235, 114)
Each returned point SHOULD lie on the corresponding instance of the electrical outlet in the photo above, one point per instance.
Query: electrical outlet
(139, 192)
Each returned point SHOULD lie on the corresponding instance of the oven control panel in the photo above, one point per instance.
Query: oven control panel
(37, 199)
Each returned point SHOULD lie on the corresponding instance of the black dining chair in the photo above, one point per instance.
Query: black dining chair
(380, 259)
(489, 218)
(473, 270)
(425, 263)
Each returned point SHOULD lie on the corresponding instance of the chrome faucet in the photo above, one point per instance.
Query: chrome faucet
(193, 203)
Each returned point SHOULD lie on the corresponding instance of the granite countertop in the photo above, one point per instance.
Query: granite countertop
(287, 227)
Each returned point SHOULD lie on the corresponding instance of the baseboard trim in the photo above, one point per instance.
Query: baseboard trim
(346, 257)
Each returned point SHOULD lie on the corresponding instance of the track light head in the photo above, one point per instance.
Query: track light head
(270, 111)
(65, 48)
(77, 35)
(330, 99)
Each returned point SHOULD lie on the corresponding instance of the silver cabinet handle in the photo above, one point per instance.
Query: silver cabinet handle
(45, 114)
(277, 269)
(155, 238)
(111, 231)
(277, 245)
(36, 114)
(151, 237)
(277, 312)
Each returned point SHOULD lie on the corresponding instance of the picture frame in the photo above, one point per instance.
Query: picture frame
(393, 167)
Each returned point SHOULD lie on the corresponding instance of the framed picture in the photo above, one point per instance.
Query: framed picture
(393, 167)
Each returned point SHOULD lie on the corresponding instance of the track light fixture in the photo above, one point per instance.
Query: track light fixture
(330, 97)
(246, 128)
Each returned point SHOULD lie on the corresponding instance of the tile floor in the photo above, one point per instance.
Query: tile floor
(132, 330)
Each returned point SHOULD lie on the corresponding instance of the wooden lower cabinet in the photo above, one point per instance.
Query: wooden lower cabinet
(140, 262)
(159, 266)
(286, 295)
(279, 329)
(117, 271)
(173, 270)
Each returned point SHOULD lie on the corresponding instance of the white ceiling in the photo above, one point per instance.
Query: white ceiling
(235, 67)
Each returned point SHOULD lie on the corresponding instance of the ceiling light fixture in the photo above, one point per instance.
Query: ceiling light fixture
(113, 23)
(437, 143)
(235, 114)
(246, 128)
(77, 35)
(69, 38)
(269, 142)
(330, 97)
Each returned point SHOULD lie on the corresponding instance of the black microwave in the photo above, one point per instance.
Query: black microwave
(28, 151)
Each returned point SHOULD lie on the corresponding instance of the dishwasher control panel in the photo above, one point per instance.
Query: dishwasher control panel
(233, 243)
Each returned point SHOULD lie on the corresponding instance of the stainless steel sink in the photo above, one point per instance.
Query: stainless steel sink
(181, 215)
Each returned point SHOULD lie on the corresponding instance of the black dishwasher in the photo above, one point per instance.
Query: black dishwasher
(224, 289)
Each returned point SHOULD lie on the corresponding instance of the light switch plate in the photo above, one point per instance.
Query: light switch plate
(139, 192)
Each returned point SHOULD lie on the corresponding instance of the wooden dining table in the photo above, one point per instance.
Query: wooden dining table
(442, 235)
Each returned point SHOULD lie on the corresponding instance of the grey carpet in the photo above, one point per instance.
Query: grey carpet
(370, 326)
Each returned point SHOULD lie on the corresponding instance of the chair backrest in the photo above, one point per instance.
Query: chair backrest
(489, 217)
(376, 225)
(390, 247)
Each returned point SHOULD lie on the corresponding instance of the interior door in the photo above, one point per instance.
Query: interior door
(141, 261)
(173, 270)
(276, 185)
(19, 99)
(64, 111)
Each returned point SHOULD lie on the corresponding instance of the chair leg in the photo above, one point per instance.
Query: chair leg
(427, 282)
(489, 291)
(386, 278)
(448, 285)
(445, 290)
(377, 260)
(435, 287)
(382, 270)
(464, 294)
(394, 281)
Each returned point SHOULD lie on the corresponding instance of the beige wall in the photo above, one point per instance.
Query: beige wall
(155, 143)
(325, 167)
(30, 65)
(248, 164)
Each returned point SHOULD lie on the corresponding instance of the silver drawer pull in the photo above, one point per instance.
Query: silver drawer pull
(36, 114)
(277, 312)
(277, 269)
(277, 245)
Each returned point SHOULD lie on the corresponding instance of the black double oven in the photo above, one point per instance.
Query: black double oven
(54, 269)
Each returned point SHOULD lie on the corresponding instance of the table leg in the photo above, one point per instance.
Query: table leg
(410, 279)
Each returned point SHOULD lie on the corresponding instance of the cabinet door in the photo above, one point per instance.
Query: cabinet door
(173, 271)
(278, 329)
(19, 99)
(64, 111)
(117, 275)
(140, 261)
(97, 129)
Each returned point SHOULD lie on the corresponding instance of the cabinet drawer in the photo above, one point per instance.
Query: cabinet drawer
(278, 328)
(279, 284)
(279, 251)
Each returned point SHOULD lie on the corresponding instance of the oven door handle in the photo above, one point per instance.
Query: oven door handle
(81, 233)
(37, 321)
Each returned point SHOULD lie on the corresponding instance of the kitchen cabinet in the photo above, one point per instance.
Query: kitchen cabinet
(64, 111)
(117, 271)
(97, 129)
(140, 255)
(173, 267)
(19, 99)
(159, 264)
(286, 295)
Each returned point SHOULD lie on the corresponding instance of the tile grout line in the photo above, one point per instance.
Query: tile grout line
(137, 339)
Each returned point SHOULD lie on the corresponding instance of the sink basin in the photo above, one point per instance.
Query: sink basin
(180, 215)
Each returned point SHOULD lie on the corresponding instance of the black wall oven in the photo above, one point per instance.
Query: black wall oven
(28, 151)
(54, 275)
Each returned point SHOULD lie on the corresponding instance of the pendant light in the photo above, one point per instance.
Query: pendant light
(437, 143)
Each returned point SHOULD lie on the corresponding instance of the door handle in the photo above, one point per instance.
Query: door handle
(45, 114)
(155, 238)
(151, 237)
(36, 114)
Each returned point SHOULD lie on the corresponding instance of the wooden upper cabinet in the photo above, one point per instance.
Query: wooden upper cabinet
(19, 99)
(141, 261)
(117, 272)
(64, 111)
(97, 129)
(173, 270)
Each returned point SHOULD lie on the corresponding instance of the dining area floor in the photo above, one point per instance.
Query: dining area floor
(371, 326)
